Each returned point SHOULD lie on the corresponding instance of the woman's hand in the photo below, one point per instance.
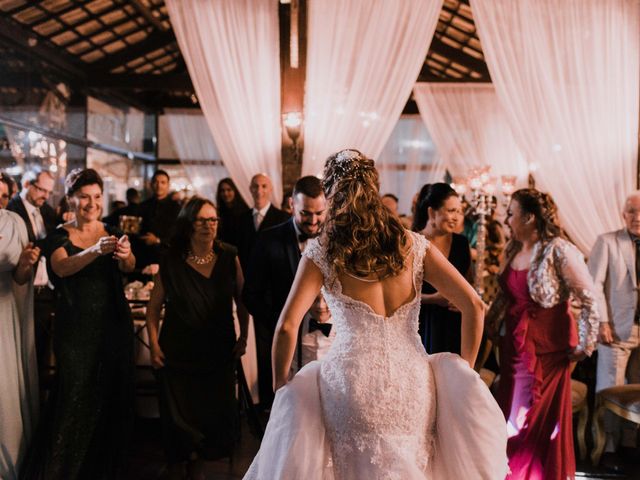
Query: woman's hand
(577, 354)
(105, 245)
(240, 348)
(123, 248)
(157, 357)
(29, 256)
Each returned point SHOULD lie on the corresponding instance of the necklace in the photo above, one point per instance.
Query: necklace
(208, 258)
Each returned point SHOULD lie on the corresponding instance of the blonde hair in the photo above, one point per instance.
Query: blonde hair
(363, 237)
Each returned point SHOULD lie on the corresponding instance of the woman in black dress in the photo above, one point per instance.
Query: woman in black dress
(90, 413)
(231, 206)
(440, 320)
(197, 350)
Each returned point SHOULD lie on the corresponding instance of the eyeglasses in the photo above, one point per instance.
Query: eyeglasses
(44, 191)
(201, 222)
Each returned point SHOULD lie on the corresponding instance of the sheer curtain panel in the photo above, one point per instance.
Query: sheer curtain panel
(469, 128)
(196, 150)
(363, 57)
(567, 75)
(408, 161)
(231, 48)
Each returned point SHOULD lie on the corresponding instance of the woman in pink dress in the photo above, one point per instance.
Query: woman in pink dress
(539, 338)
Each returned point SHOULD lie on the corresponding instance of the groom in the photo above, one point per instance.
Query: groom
(271, 271)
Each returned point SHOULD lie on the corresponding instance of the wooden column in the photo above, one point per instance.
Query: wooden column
(292, 84)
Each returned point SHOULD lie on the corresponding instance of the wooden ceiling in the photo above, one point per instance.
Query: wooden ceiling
(126, 50)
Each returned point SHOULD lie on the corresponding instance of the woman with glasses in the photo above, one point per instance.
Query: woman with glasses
(196, 352)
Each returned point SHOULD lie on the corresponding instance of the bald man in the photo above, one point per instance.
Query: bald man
(614, 264)
(262, 216)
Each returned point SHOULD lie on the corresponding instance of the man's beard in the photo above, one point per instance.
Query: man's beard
(303, 231)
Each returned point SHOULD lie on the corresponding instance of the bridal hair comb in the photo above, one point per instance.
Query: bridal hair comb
(347, 165)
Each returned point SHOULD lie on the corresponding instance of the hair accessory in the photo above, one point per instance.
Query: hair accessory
(346, 164)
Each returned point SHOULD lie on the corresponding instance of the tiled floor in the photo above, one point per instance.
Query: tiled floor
(147, 460)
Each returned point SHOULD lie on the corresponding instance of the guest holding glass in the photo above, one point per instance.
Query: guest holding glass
(441, 321)
(538, 342)
(197, 350)
(18, 368)
(231, 206)
(89, 417)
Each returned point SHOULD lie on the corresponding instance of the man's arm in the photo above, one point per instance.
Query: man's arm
(598, 265)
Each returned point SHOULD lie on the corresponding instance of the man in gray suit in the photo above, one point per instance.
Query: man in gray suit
(614, 264)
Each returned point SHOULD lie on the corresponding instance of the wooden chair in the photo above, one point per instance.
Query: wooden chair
(580, 406)
(623, 401)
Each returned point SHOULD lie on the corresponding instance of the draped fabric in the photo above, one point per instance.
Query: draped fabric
(197, 150)
(567, 75)
(231, 48)
(408, 161)
(363, 57)
(469, 128)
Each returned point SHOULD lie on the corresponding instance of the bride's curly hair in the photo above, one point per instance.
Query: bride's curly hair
(363, 237)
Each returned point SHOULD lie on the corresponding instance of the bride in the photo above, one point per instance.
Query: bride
(377, 406)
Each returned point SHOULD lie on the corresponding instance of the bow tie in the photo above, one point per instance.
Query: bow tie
(314, 325)
(303, 237)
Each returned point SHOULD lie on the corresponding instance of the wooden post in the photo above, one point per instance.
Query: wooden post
(292, 83)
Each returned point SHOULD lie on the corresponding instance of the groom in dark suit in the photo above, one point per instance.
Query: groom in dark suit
(272, 268)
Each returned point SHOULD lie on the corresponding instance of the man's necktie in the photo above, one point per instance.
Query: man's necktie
(314, 325)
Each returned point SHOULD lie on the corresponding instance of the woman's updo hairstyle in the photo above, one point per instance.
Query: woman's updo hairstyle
(81, 177)
(435, 197)
(364, 238)
(543, 209)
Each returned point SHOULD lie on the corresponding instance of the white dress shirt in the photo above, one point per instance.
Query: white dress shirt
(258, 215)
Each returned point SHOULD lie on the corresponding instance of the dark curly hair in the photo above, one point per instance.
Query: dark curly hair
(363, 237)
(544, 211)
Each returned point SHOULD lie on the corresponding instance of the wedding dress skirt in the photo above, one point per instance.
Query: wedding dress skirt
(377, 407)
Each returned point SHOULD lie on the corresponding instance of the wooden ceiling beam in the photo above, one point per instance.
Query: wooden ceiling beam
(30, 44)
(458, 56)
(127, 81)
(148, 15)
(153, 42)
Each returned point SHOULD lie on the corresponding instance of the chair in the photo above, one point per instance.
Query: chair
(580, 406)
(624, 401)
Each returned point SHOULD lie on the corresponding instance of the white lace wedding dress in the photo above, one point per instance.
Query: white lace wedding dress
(377, 406)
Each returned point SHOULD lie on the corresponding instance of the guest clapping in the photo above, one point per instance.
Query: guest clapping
(197, 349)
(86, 430)
(541, 272)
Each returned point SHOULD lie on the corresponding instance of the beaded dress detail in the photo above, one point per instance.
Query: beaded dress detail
(371, 407)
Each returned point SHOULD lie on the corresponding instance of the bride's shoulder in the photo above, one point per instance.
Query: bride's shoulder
(316, 251)
(419, 243)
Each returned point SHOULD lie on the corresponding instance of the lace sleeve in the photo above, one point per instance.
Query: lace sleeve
(316, 252)
(420, 247)
(575, 275)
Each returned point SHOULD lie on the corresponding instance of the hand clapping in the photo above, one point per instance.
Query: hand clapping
(106, 245)
(29, 256)
(122, 249)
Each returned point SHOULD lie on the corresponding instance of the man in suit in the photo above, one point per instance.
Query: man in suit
(614, 263)
(262, 216)
(40, 220)
(271, 271)
(159, 214)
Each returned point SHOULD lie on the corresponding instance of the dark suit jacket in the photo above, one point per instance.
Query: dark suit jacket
(270, 273)
(247, 234)
(48, 216)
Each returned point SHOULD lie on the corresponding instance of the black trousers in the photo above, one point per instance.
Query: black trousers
(43, 312)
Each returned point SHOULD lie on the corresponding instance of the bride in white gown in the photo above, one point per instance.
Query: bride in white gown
(377, 406)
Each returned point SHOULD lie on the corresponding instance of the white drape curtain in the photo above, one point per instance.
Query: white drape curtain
(363, 57)
(567, 75)
(408, 161)
(231, 48)
(196, 150)
(469, 128)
